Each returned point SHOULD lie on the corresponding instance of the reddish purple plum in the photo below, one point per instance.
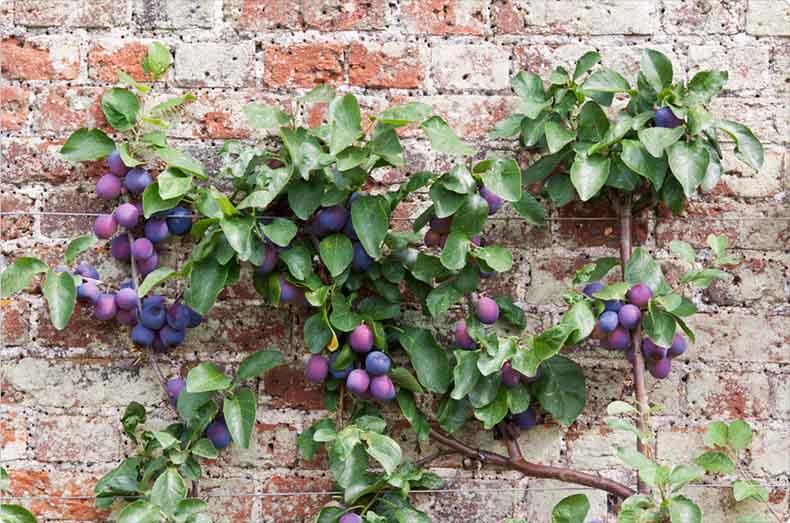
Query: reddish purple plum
(639, 295)
(660, 369)
(653, 351)
(619, 339)
(629, 316)
(361, 339)
(316, 369)
(126, 299)
(105, 307)
(678, 346)
(174, 386)
(156, 230)
(136, 180)
(128, 318)
(120, 248)
(127, 215)
(142, 249)
(441, 225)
(510, 376)
(105, 226)
(350, 517)
(115, 164)
(148, 265)
(494, 201)
(358, 381)
(487, 310)
(218, 434)
(108, 187)
(462, 337)
(382, 388)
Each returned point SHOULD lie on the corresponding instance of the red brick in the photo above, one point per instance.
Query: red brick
(33, 160)
(57, 484)
(444, 17)
(516, 16)
(303, 65)
(106, 58)
(15, 321)
(32, 59)
(64, 109)
(12, 227)
(62, 438)
(261, 15)
(13, 107)
(296, 508)
(288, 387)
(596, 233)
(345, 15)
(13, 434)
(385, 65)
(224, 328)
(224, 505)
(84, 333)
(74, 199)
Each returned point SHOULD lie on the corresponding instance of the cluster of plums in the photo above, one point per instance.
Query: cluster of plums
(129, 215)
(367, 377)
(618, 320)
(487, 311)
(154, 323)
(217, 431)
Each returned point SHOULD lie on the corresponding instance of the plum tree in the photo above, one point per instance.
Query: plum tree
(136, 180)
(105, 226)
(361, 339)
(317, 368)
(487, 310)
(377, 363)
(108, 187)
(462, 337)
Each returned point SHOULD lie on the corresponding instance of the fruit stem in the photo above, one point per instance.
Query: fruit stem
(643, 422)
(516, 462)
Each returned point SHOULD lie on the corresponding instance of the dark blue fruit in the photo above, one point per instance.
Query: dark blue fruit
(179, 221)
(142, 335)
(115, 164)
(120, 248)
(171, 337)
(194, 319)
(494, 201)
(608, 321)
(269, 260)
(592, 287)
(136, 180)
(613, 305)
(350, 231)
(361, 262)
(678, 346)
(653, 351)
(218, 434)
(156, 230)
(377, 363)
(316, 369)
(178, 316)
(332, 219)
(153, 316)
(154, 299)
(527, 419)
(358, 381)
(338, 374)
(666, 118)
(441, 225)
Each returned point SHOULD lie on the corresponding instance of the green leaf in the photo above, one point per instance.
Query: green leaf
(205, 449)
(384, 450)
(343, 317)
(518, 398)
(704, 86)
(558, 136)
(698, 120)
(126, 156)
(120, 107)
(507, 128)
(405, 379)
(168, 490)
(587, 61)
(472, 215)
(683, 510)
(60, 290)
(634, 459)
(404, 114)
(443, 139)
(581, 319)
(240, 411)
(562, 390)
(370, 216)
(87, 145)
(659, 326)
(715, 462)
(530, 209)
(165, 439)
(595, 271)
(344, 123)
(413, 415)
(455, 250)
(495, 411)
(636, 158)
(306, 444)
(207, 280)
(158, 59)
(428, 359)
(262, 116)
(528, 86)
(304, 197)
(299, 261)
(739, 435)
(317, 333)
(173, 184)
(683, 250)
(560, 190)
(605, 81)
(642, 268)
(618, 407)
(716, 434)
(19, 275)
(163, 108)
(748, 148)
(258, 364)
(503, 178)
(155, 278)
(15, 514)
(688, 163)
(496, 354)
(182, 161)
(139, 511)
(742, 490)
(77, 246)
(465, 373)
(496, 257)
(445, 201)
(572, 509)
(336, 253)
(441, 298)
(656, 139)
(589, 174)
(154, 203)
(510, 312)
(207, 377)
(684, 474)
(657, 69)
(319, 94)
(593, 123)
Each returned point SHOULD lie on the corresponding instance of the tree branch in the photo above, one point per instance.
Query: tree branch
(518, 463)
(624, 209)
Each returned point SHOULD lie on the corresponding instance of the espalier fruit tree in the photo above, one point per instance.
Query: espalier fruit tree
(296, 207)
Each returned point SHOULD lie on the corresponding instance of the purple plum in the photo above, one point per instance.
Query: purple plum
(105, 226)
(149, 264)
(666, 118)
(115, 164)
(127, 215)
(660, 369)
(510, 376)
(494, 201)
(619, 339)
(487, 310)
(608, 321)
(358, 381)
(316, 369)
(441, 225)
(136, 180)
(462, 337)
(105, 308)
(142, 249)
(108, 187)
(592, 287)
(377, 363)
(125, 317)
(174, 386)
(156, 230)
(126, 299)
(382, 388)
(142, 335)
(653, 351)
(678, 346)
(217, 432)
(269, 260)
(629, 316)
(120, 248)
(639, 295)
(361, 339)
(527, 419)
(88, 292)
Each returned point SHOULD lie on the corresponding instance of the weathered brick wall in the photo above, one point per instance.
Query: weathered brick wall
(63, 391)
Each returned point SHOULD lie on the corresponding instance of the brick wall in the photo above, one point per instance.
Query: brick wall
(63, 391)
